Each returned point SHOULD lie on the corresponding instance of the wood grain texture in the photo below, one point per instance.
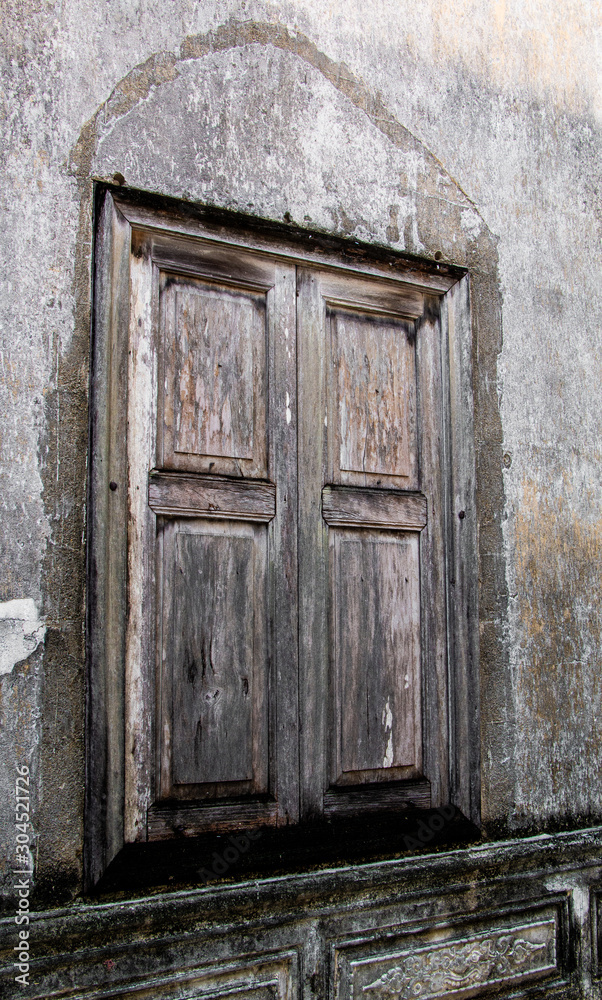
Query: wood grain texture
(107, 547)
(344, 506)
(463, 603)
(434, 472)
(212, 668)
(373, 403)
(214, 376)
(382, 297)
(231, 317)
(179, 495)
(267, 377)
(214, 679)
(376, 601)
(206, 259)
(354, 801)
(165, 822)
(213, 372)
(140, 650)
(350, 651)
(313, 546)
(283, 545)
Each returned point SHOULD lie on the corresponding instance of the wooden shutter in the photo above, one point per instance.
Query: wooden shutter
(229, 481)
(370, 522)
(222, 489)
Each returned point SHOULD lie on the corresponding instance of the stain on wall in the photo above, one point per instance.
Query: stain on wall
(557, 659)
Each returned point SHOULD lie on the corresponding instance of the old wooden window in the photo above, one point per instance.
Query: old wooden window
(281, 588)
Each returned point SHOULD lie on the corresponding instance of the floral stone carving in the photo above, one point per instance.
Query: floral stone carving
(465, 965)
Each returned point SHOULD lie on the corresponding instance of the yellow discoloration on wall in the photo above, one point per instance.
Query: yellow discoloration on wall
(557, 673)
(538, 45)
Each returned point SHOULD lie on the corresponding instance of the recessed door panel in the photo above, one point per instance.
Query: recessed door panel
(214, 377)
(214, 678)
(376, 652)
(373, 399)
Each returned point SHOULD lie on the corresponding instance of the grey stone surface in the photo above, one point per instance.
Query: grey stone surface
(316, 926)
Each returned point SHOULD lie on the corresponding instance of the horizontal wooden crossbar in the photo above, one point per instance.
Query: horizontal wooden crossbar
(174, 494)
(346, 507)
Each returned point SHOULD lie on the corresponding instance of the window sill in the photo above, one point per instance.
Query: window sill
(227, 858)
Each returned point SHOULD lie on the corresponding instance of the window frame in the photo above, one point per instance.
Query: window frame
(119, 778)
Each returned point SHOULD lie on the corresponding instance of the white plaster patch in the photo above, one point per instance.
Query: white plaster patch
(21, 632)
(387, 721)
(470, 223)
(288, 409)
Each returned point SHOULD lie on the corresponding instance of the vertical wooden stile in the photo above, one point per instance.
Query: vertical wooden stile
(431, 387)
(463, 555)
(313, 544)
(107, 544)
(283, 424)
(140, 648)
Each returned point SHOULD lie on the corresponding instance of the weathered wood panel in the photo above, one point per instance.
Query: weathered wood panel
(463, 605)
(107, 545)
(376, 600)
(373, 402)
(214, 379)
(342, 505)
(230, 493)
(434, 465)
(282, 537)
(177, 495)
(359, 629)
(355, 799)
(214, 681)
(185, 820)
(140, 648)
(212, 670)
(239, 316)
(313, 545)
(380, 298)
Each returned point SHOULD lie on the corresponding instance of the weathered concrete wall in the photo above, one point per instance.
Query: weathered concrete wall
(505, 97)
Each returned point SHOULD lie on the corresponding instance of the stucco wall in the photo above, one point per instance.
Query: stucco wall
(505, 97)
